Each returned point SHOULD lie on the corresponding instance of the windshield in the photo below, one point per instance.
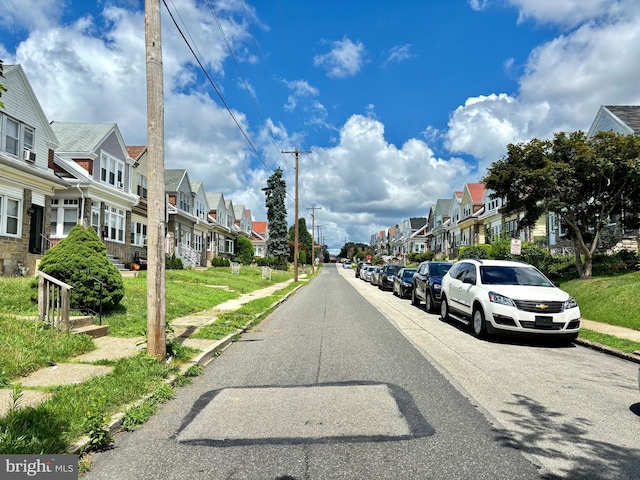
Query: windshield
(494, 275)
(393, 269)
(439, 269)
(408, 274)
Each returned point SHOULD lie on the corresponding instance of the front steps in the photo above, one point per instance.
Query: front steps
(85, 325)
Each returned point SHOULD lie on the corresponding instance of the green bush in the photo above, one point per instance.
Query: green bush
(244, 250)
(475, 251)
(420, 257)
(220, 262)
(80, 260)
(173, 263)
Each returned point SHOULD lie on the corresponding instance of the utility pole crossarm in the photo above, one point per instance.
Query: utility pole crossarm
(297, 153)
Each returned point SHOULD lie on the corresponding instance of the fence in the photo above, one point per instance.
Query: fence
(53, 300)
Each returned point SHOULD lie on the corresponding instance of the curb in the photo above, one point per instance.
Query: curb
(611, 351)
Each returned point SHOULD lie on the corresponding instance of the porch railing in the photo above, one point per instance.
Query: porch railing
(53, 300)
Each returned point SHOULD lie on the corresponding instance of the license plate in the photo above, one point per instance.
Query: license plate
(544, 321)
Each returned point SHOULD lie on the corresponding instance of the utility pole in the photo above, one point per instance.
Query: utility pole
(319, 227)
(156, 284)
(313, 243)
(296, 152)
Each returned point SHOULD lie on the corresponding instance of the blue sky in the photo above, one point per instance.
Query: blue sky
(401, 103)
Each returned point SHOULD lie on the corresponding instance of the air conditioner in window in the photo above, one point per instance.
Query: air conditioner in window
(28, 155)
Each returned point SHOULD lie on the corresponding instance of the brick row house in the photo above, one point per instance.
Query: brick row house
(471, 216)
(55, 175)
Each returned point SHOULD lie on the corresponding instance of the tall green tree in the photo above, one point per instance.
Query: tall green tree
(277, 241)
(586, 182)
(305, 241)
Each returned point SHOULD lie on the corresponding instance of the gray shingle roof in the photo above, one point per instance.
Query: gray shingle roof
(172, 178)
(629, 114)
(80, 137)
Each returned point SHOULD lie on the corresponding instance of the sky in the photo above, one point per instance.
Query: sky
(399, 103)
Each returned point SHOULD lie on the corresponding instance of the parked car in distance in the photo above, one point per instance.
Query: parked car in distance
(502, 296)
(366, 272)
(346, 265)
(402, 282)
(375, 275)
(359, 266)
(386, 275)
(427, 284)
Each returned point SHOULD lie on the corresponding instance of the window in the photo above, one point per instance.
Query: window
(141, 188)
(138, 234)
(11, 139)
(10, 216)
(197, 242)
(112, 171)
(114, 223)
(95, 218)
(64, 216)
(229, 244)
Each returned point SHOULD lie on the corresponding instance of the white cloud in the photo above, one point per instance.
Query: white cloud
(397, 54)
(367, 183)
(344, 60)
(571, 12)
(564, 83)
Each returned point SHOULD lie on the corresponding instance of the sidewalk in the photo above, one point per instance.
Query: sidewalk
(79, 369)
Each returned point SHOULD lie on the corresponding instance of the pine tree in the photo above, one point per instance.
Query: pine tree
(277, 241)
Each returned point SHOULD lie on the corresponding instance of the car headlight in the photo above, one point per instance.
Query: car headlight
(437, 286)
(501, 299)
(570, 303)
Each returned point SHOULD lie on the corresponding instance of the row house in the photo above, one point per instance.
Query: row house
(259, 239)
(55, 175)
(27, 181)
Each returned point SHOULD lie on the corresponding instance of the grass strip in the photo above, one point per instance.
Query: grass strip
(622, 344)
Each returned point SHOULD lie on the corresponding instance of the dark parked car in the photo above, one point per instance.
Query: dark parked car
(386, 276)
(402, 282)
(427, 284)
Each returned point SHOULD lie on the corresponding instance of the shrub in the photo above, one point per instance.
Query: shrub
(80, 260)
(475, 251)
(173, 263)
(244, 250)
(220, 262)
(420, 257)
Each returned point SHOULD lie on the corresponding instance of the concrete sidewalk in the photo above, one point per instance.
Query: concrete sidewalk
(79, 369)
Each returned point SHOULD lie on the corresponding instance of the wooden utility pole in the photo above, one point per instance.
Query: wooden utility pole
(313, 243)
(296, 237)
(156, 284)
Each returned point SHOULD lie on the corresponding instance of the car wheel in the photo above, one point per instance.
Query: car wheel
(414, 300)
(428, 302)
(444, 309)
(478, 324)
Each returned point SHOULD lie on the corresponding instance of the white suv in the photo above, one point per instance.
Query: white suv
(510, 297)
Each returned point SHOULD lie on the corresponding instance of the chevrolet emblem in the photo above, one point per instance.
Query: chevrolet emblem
(542, 306)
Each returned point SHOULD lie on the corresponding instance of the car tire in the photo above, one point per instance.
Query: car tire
(444, 309)
(428, 301)
(478, 323)
(414, 300)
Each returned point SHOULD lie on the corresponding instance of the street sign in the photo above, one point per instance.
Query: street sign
(516, 246)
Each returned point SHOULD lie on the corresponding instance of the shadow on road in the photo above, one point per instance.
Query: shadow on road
(545, 433)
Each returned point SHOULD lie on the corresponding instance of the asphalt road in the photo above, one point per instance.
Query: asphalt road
(346, 381)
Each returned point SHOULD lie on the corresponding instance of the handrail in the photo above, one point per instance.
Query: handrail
(53, 300)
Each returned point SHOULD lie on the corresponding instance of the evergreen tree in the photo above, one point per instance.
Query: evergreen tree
(305, 241)
(277, 241)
